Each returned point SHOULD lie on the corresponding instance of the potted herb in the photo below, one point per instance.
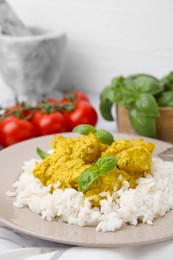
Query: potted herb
(144, 105)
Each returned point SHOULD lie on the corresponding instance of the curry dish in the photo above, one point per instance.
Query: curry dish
(71, 156)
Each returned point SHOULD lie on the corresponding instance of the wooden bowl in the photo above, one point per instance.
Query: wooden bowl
(164, 123)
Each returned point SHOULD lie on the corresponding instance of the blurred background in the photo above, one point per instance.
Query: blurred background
(106, 38)
(100, 40)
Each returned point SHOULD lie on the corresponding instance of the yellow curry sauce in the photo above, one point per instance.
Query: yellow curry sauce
(71, 156)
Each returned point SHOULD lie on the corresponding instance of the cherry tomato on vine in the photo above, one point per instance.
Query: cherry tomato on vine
(52, 100)
(21, 110)
(81, 96)
(84, 113)
(49, 123)
(49, 100)
(75, 96)
(14, 130)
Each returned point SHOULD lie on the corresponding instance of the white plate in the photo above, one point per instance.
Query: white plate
(23, 220)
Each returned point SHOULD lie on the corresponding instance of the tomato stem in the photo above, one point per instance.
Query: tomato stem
(44, 105)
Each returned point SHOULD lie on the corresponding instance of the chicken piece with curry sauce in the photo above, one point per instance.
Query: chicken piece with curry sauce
(72, 156)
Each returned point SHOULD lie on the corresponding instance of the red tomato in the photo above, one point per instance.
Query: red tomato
(52, 123)
(66, 101)
(75, 96)
(14, 130)
(52, 100)
(49, 100)
(84, 113)
(19, 107)
(80, 96)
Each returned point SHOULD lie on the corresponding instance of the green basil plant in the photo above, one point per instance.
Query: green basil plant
(142, 94)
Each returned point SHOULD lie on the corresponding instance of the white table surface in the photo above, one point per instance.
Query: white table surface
(16, 246)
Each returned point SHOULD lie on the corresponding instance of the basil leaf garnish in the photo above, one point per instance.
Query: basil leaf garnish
(106, 164)
(42, 153)
(84, 129)
(103, 165)
(105, 137)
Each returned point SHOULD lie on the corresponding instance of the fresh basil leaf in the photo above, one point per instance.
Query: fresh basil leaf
(148, 84)
(106, 109)
(42, 153)
(134, 76)
(106, 104)
(119, 93)
(87, 178)
(142, 124)
(122, 96)
(103, 166)
(117, 82)
(106, 164)
(129, 82)
(147, 104)
(167, 81)
(104, 136)
(116, 95)
(165, 99)
(84, 129)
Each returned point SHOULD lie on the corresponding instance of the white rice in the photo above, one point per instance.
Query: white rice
(152, 198)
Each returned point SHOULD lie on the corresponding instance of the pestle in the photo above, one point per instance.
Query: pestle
(10, 24)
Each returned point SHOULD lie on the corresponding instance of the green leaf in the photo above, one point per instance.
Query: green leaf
(87, 178)
(104, 136)
(106, 164)
(142, 124)
(149, 84)
(84, 129)
(167, 81)
(106, 104)
(147, 104)
(165, 99)
(122, 96)
(117, 82)
(103, 165)
(129, 82)
(134, 76)
(42, 153)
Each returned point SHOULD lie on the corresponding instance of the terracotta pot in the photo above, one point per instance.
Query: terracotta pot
(164, 123)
